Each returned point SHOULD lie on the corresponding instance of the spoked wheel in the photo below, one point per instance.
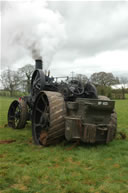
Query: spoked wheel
(48, 118)
(17, 114)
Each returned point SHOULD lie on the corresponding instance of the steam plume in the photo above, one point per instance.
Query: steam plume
(30, 29)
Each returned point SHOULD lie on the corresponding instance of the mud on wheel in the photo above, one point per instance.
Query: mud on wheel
(48, 124)
(113, 123)
(17, 114)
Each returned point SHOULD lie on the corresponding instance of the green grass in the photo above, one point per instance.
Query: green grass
(27, 168)
(122, 113)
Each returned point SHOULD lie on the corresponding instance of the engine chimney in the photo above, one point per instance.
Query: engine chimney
(38, 64)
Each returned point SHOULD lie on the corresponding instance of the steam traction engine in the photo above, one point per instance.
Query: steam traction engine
(57, 110)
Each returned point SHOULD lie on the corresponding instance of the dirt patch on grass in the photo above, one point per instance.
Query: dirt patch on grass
(7, 141)
(19, 186)
(2, 155)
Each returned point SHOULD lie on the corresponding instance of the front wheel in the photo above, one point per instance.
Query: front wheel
(17, 114)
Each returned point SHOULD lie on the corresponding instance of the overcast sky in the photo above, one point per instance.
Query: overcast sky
(87, 36)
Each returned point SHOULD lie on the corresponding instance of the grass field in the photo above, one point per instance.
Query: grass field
(27, 168)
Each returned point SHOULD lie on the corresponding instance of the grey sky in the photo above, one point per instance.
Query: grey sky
(96, 38)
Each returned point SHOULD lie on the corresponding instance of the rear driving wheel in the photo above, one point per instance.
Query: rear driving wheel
(48, 123)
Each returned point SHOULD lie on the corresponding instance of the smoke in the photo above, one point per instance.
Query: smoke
(30, 30)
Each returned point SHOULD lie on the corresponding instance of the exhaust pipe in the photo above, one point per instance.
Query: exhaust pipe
(38, 64)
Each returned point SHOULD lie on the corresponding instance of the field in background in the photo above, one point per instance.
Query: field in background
(65, 168)
(122, 114)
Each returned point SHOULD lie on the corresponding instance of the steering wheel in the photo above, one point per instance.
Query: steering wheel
(76, 87)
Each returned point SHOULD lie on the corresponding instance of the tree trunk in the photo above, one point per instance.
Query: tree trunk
(123, 92)
(11, 93)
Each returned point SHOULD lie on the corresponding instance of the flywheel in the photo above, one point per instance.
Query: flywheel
(48, 125)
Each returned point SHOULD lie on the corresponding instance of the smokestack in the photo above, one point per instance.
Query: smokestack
(38, 64)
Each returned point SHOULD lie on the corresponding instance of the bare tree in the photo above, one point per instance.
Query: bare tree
(81, 78)
(124, 81)
(25, 76)
(10, 81)
(104, 79)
